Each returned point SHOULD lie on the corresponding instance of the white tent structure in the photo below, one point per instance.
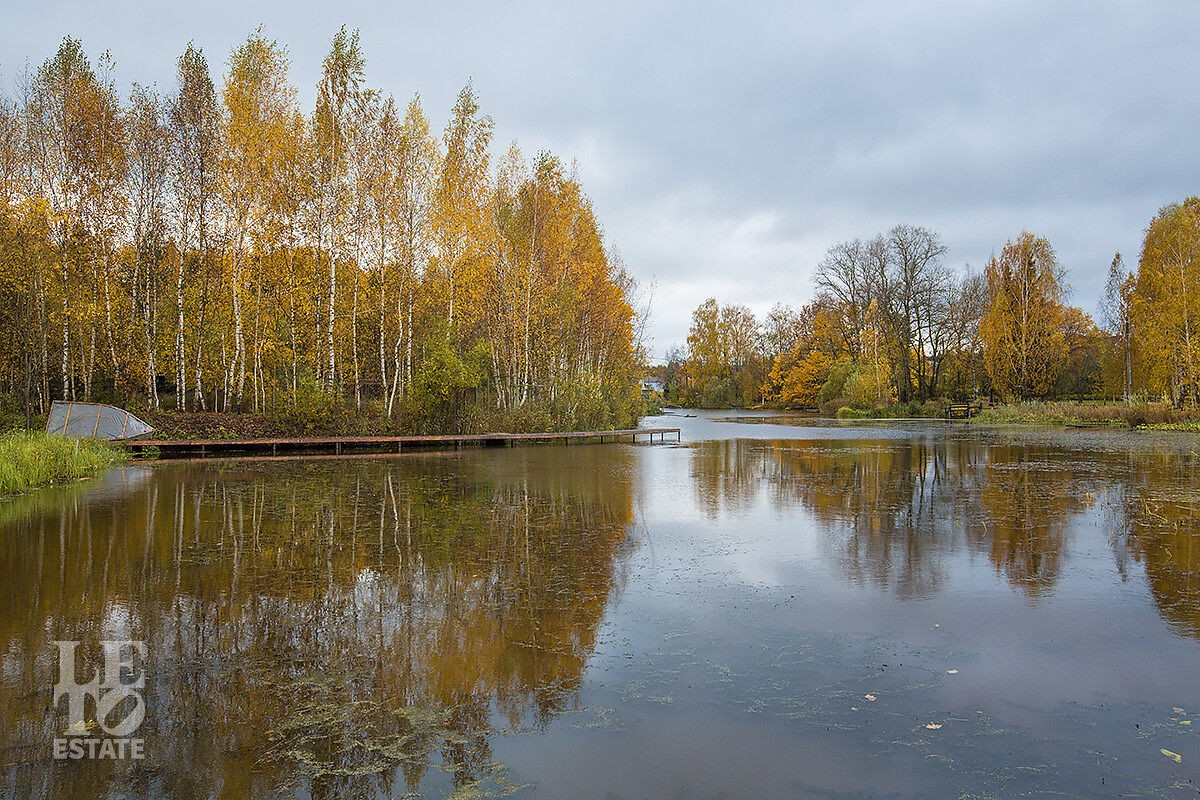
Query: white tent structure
(94, 421)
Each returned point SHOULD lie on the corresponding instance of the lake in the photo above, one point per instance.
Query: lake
(774, 608)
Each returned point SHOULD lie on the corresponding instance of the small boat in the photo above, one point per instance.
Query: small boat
(95, 421)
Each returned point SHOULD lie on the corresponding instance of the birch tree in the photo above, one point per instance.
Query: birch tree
(1116, 307)
(60, 161)
(418, 164)
(259, 109)
(1022, 330)
(1166, 306)
(337, 97)
(459, 208)
(195, 121)
(149, 147)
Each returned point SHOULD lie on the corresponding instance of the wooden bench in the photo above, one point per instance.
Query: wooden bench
(963, 410)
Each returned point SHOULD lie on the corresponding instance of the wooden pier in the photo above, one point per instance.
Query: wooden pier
(337, 445)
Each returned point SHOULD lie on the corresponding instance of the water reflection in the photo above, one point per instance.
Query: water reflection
(338, 628)
(883, 506)
(892, 513)
(372, 627)
(1156, 521)
(1029, 496)
(727, 475)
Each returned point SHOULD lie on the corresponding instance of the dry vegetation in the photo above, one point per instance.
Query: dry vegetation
(1138, 415)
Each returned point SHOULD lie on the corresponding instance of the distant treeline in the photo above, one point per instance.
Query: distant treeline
(218, 249)
(893, 324)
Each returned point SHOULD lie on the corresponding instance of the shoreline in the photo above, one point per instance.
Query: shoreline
(1050, 414)
(33, 460)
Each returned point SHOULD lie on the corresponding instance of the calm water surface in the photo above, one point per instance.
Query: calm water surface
(772, 609)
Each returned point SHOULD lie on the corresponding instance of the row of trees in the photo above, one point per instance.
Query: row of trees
(1036, 346)
(891, 323)
(220, 249)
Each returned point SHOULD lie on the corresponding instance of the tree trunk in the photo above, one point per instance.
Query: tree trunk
(236, 380)
(68, 390)
(180, 355)
(354, 345)
(329, 334)
(108, 325)
(202, 312)
(383, 373)
(1189, 356)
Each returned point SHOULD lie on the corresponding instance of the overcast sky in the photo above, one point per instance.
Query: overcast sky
(727, 146)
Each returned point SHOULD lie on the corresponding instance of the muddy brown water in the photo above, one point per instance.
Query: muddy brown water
(775, 608)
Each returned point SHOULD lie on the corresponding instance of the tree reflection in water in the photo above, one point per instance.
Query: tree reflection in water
(892, 511)
(331, 627)
(364, 628)
(1156, 521)
(1029, 496)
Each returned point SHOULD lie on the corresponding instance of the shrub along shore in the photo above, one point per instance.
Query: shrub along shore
(1147, 416)
(1154, 416)
(1151, 416)
(29, 459)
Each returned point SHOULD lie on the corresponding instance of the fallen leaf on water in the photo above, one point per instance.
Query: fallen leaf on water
(1178, 759)
(1185, 722)
(1177, 710)
(870, 697)
(951, 672)
(933, 726)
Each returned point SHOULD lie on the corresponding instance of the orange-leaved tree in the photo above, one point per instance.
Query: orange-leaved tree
(1022, 330)
(1166, 302)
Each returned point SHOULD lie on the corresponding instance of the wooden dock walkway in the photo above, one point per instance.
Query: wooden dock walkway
(215, 448)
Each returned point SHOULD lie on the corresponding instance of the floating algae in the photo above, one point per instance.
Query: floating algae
(332, 740)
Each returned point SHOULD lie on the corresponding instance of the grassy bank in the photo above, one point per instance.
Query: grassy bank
(1117, 415)
(29, 459)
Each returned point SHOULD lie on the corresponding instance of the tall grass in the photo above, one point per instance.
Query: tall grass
(1138, 415)
(29, 459)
